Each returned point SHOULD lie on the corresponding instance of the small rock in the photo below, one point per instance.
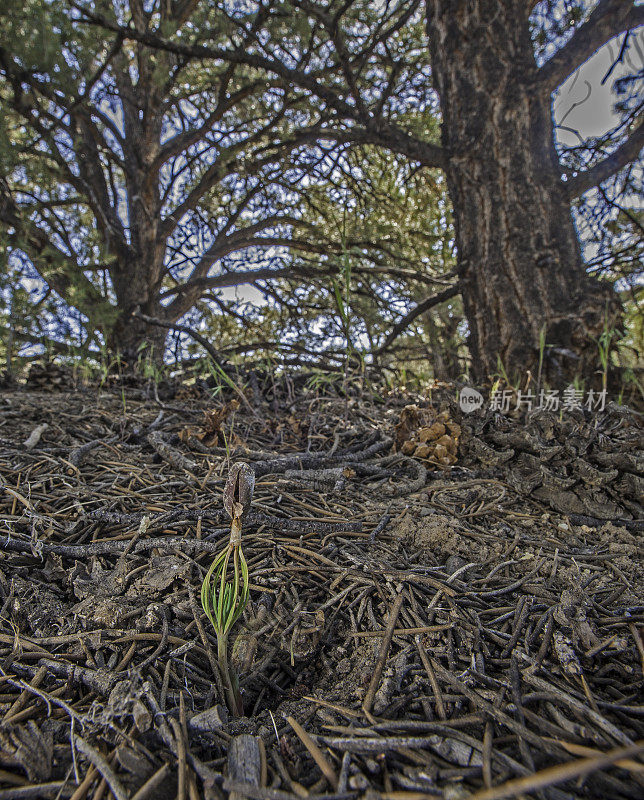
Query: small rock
(141, 715)
(358, 782)
(454, 563)
(209, 720)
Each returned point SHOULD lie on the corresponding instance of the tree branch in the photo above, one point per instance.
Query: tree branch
(609, 18)
(240, 239)
(421, 308)
(57, 269)
(627, 152)
(64, 348)
(182, 141)
(383, 134)
(91, 181)
(379, 131)
(175, 326)
(228, 279)
(223, 166)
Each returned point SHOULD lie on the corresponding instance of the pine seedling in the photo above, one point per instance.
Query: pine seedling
(542, 349)
(225, 589)
(604, 345)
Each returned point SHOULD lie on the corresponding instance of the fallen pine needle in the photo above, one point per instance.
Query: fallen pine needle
(559, 773)
(382, 656)
(316, 754)
(583, 750)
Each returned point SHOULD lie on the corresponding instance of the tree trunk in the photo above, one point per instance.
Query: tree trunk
(137, 276)
(519, 260)
(133, 339)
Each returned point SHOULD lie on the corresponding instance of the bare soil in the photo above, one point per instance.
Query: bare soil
(439, 627)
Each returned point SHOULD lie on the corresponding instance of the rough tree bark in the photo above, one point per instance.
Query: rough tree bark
(519, 260)
(135, 340)
(138, 276)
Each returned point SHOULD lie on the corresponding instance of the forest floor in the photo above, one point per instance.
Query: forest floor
(414, 630)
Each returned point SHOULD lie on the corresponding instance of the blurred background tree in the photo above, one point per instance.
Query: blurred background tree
(271, 175)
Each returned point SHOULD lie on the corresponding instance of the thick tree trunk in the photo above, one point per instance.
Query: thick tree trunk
(133, 339)
(137, 277)
(519, 260)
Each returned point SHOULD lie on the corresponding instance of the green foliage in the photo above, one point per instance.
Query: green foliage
(102, 141)
(320, 381)
(247, 165)
(223, 600)
(27, 313)
(224, 596)
(57, 56)
(604, 346)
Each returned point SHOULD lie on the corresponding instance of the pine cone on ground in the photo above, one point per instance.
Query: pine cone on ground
(7, 380)
(49, 377)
